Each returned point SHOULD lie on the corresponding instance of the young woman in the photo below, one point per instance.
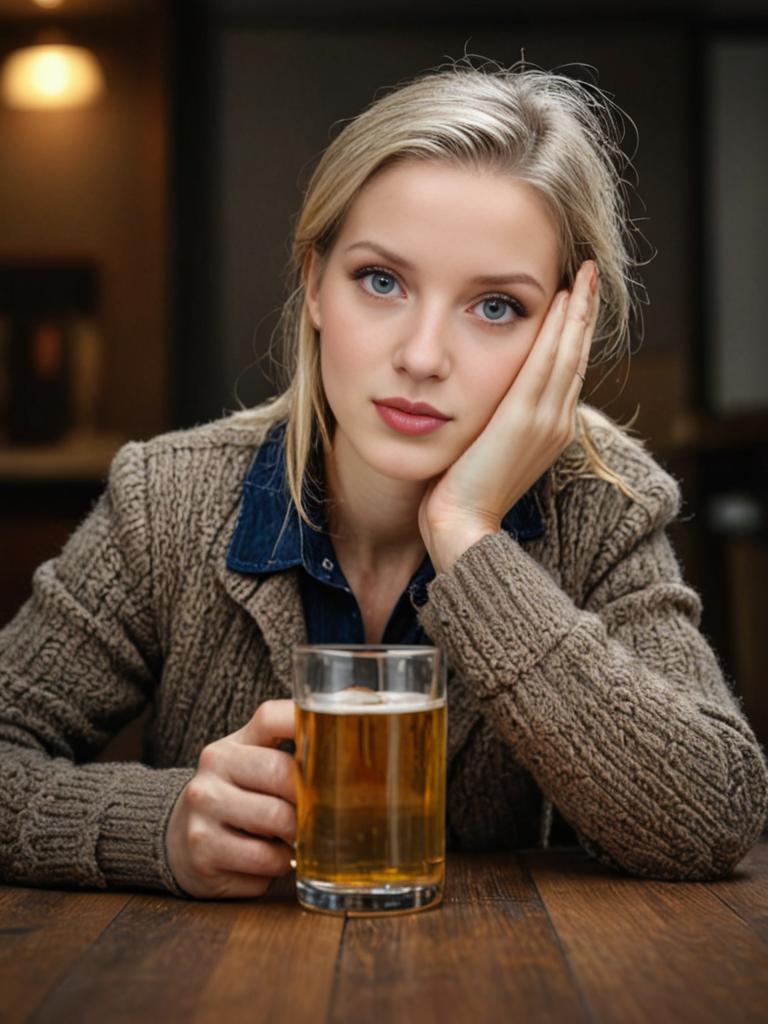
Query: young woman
(427, 475)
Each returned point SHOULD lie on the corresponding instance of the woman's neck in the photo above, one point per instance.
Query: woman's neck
(372, 519)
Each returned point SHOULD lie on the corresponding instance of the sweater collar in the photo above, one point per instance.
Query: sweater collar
(270, 536)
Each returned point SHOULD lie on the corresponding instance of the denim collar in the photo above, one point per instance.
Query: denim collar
(270, 536)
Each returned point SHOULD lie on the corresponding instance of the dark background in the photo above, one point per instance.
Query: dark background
(181, 186)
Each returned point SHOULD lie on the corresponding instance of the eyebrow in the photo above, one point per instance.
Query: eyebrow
(482, 279)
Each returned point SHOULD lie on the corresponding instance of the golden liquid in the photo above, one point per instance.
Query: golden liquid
(371, 791)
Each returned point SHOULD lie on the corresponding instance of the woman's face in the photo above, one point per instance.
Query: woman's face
(403, 312)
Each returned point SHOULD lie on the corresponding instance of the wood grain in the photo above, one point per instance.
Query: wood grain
(746, 893)
(652, 951)
(278, 965)
(149, 965)
(527, 935)
(478, 877)
(488, 954)
(171, 960)
(42, 933)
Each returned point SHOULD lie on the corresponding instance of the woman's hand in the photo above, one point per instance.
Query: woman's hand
(242, 785)
(533, 423)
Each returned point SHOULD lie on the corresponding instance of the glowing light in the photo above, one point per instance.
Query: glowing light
(51, 77)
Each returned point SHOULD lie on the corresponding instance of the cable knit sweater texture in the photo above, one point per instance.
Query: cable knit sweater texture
(577, 674)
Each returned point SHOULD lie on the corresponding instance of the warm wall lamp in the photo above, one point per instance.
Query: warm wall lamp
(51, 74)
(50, 77)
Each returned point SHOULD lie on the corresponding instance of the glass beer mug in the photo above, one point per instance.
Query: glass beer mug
(371, 729)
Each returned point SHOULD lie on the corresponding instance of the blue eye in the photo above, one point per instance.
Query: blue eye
(494, 307)
(378, 277)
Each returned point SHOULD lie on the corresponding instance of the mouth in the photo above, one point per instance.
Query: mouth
(411, 423)
(413, 408)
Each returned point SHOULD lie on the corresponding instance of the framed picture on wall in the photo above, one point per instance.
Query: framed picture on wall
(50, 349)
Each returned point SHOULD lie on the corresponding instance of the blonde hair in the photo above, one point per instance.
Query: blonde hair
(558, 134)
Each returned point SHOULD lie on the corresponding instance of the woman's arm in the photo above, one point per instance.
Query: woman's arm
(618, 708)
(80, 659)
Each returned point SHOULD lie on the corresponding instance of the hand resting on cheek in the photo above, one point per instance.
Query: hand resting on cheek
(533, 423)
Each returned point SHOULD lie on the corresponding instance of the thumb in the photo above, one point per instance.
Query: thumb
(271, 723)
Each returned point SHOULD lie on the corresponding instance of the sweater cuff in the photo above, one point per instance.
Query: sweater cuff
(497, 612)
(131, 847)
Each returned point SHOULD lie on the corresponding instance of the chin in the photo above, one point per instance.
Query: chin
(406, 459)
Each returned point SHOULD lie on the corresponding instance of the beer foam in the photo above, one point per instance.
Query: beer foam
(355, 699)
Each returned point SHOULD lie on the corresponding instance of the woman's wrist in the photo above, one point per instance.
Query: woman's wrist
(449, 545)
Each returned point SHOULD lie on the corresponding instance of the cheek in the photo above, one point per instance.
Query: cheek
(343, 361)
(349, 343)
(491, 379)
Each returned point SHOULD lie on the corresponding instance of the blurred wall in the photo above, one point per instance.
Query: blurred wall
(94, 182)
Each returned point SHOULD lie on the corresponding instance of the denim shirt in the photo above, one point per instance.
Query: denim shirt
(271, 537)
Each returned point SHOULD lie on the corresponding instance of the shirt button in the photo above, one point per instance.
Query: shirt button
(327, 564)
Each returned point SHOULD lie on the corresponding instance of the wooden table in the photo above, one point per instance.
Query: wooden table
(533, 936)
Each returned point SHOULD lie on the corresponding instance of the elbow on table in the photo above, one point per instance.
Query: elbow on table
(701, 859)
(741, 823)
(696, 864)
(717, 838)
(710, 863)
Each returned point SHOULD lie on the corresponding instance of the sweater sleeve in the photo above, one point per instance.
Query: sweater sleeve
(80, 659)
(616, 705)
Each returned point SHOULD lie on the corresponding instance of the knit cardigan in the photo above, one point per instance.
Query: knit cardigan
(577, 675)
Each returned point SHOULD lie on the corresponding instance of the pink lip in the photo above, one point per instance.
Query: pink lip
(414, 408)
(408, 423)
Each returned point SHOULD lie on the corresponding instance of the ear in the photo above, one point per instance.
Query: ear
(312, 286)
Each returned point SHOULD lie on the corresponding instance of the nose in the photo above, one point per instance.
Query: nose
(423, 347)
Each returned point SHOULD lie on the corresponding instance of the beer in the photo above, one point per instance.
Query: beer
(371, 788)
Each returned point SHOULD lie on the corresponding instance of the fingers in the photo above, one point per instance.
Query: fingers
(537, 369)
(561, 394)
(256, 813)
(255, 769)
(216, 851)
(231, 851)
(589, 333)
(273, 721)
(576, 381)
(233, 886)
(576, 337)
